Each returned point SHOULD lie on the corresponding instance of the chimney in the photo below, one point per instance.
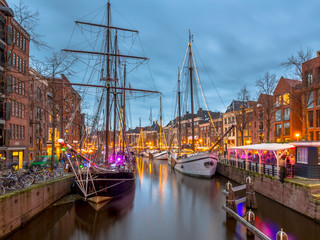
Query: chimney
(318, 53)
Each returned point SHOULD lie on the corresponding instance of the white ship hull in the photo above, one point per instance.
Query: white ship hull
(160, 156)
(201, 164)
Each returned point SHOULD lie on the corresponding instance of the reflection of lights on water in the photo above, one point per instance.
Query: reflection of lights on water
(150, 168)
(241, 210)
(270, 228)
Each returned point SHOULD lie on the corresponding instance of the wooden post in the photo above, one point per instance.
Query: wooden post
(281, 235)
(230, 199)
(251, 201)
(251, 218)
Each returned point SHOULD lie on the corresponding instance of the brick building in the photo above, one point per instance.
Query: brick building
(287, 110)
(38, 115)
(14, 126)
(310, 98)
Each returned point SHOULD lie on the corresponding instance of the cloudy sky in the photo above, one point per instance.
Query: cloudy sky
(236, 41)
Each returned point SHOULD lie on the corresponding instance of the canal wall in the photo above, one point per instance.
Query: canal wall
(297, 196)
(20, 206)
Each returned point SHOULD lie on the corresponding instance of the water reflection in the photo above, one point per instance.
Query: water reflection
(165, 205)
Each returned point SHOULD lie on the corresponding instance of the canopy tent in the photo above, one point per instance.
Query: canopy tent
(277, 148)
(266, 147)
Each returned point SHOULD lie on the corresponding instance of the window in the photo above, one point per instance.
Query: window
(310, 78)
(286, 99)
(13, 84)
(318, 118)
(310, 101)
(17, 85)
(310, 119)
(278, 130)
(318, 97)
(225, 121)
(23, 131)
(18, 39)
(302, 155)
(14, 35)
(14, 60)
(233, 119)
(13, 131)
(278, 101)
(17, 132)
(286, 129)
(13, 108)
(277, 115)
(23, 110)
(18, 62)
(20, 109)
(24, 44)
(286, 114)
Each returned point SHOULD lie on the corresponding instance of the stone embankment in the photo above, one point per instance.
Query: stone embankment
(20, 206)
(301, 195)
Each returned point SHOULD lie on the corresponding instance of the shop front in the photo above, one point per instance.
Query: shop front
(16, 157)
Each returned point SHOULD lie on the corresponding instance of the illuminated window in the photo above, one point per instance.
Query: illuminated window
(49, 136)
(302, 155)
(286, 99)
(278, 101)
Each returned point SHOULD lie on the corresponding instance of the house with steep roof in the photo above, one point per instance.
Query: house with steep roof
(287, 110)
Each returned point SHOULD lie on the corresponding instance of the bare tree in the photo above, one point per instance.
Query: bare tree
(294, 67)
(294, 62)
(55, 66)
(29, 20)
(242, 114)
(266, 85)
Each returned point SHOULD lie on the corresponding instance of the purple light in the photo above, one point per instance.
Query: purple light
(119, 159)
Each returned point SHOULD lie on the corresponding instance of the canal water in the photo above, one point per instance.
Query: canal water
(164, 205)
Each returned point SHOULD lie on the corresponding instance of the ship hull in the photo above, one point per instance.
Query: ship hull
(105, 186)
(201, 164)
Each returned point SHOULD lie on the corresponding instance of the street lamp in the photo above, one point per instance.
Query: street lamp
(297, 135)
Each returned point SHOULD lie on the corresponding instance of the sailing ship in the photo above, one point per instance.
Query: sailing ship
(162, 154)
(192, 162)
(116, 173)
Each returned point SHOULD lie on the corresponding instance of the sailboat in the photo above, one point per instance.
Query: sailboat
(163, 154)
(192, 162)
(116, 175)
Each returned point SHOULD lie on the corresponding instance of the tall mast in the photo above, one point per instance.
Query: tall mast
(124, 104)
(108, 83)
(115, 101)
(160, 123)
(191, 89)
(179, 111)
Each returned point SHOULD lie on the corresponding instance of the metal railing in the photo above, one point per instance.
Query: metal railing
(266, 169)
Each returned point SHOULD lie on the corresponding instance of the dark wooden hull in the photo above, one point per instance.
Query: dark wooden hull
(109, 185)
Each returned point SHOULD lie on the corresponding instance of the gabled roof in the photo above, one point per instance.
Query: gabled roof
(292, 82)
(235, 105)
